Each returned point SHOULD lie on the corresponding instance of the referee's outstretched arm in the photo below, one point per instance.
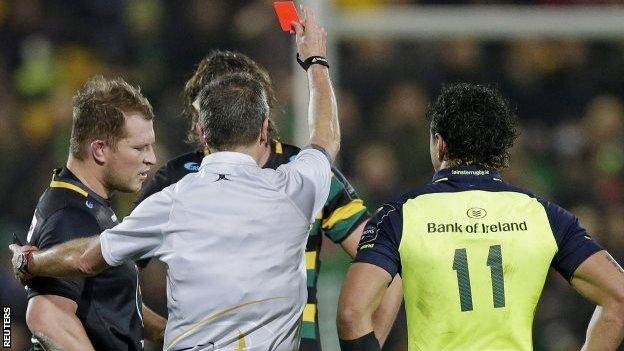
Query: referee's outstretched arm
(323, 112)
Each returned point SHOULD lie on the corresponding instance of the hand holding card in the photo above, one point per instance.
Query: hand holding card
(311, 38)
(286, 14)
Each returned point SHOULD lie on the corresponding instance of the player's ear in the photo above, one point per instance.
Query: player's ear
(441, 147)
(199, 131)
(264, 132)
(98, 149)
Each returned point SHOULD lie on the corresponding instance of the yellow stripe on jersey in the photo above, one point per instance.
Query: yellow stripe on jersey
(60, 184)
(310, 260)
(309, 312)
(278, 147)
(343, 212)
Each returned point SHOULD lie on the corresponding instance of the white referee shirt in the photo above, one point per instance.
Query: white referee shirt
(233, 238)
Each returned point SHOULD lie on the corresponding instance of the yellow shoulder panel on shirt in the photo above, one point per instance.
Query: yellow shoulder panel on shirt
(473, 266)
(61, 184)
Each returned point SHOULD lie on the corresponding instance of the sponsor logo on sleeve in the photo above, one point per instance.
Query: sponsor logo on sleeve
(192, 166)
(369, 235)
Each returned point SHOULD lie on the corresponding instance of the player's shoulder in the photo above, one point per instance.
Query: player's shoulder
(63, 224)
(290, 151)
(187, 163)
(281, 153)
(424, 189)
(179, 166)
(60, 200)
(72, 215)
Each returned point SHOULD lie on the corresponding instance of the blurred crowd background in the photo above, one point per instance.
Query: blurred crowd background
(568, 95)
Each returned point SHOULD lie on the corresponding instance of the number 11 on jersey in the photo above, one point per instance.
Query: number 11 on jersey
(495, 262)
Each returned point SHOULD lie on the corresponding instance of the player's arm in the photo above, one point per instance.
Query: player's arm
(153, 325)
(139, 236)
(600, 279)
(344, 219)
(76, 258)
(594, 274)
(376, 262)
(323, 112)
(52, 320)
(51, 313)
(361, 294)
(385, 314)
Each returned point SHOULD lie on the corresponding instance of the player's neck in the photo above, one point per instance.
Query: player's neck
(89, 175)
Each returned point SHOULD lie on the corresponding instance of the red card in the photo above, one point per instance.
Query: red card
(286, 13)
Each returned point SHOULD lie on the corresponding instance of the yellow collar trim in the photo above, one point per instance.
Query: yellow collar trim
(278, 147)
(60, 184)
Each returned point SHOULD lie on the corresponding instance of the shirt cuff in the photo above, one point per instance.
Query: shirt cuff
(319, 148)
(106, 251)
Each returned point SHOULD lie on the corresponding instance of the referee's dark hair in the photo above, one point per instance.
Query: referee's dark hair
(476, 122)
(231, 111)
(98, 109)
(217, 64)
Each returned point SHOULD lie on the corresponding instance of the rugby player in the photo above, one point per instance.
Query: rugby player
(110, 150)
(474, 251)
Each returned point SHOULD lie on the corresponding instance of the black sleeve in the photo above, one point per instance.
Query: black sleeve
(380, 240)
(161, 180)
(574, 244)
(62, 226)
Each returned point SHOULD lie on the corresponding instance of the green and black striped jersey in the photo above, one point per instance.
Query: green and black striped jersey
(343, 212)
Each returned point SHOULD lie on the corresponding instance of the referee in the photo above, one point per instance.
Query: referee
(474, 251)
(342, 218)
(110, 150)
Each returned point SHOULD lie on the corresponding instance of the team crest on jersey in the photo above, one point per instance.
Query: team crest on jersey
(192, 166)
(89, 204)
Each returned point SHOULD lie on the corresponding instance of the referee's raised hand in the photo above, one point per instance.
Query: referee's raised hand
(311, 41)
(311, 38)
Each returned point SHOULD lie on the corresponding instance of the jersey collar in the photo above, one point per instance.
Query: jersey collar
(64, 178)
(275, 150)
(466, 173)
(228, 157)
